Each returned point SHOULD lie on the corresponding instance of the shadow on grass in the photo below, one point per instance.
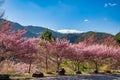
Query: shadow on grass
(83, 77)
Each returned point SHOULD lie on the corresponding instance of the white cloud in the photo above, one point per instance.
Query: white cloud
(105, 5)
(69, 31)
(110, 4)
(86, 20)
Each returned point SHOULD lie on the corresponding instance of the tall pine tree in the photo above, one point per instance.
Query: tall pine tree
(46, 35)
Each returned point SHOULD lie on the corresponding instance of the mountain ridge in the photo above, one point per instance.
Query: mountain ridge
(36, 31)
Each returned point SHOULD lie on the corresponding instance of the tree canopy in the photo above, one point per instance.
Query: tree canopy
(46, 35)
(117, 37)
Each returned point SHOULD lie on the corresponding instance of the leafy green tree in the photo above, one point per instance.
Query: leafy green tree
(117, 37)
(46, 35)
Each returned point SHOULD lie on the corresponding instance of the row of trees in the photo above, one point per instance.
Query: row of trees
(45, 49)
(82, 53)
(88, 51)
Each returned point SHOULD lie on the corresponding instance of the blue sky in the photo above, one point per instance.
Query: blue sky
(66, 15)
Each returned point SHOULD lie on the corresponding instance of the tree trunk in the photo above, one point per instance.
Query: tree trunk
(58, 63)
(29, 70)
(96, 67)
(78, 64)
(0, 66)
(58, 66)
(78, 68)
(46, 63)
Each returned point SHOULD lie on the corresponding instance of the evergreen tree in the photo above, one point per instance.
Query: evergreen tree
(46, 35)
(117, 37)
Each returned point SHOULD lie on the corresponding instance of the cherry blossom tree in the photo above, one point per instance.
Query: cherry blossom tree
(77, 54)
(91, 39)
(97, 53)
(115, 58)
(45, 41)
(109, 41)
(29, 49)
(9, 40)
(22, 49)
(59, 50)
(5, 29)
(45, 47)
(13, 45)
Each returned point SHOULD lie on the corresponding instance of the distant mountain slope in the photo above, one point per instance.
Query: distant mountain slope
(32, 31)
(78, 37)
(98, 36)
(38, 30)
(35, 31)
(17, 26)
(73, 37)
